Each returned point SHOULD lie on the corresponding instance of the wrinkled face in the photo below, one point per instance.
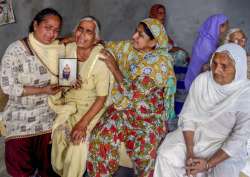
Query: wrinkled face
(85, 36)
(141, 41)
(224, 28)
(239, 38)
(223, 68)
(161, 15)
(48, 29)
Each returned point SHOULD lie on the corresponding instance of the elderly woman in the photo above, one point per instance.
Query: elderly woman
(205, 44)
(26, 78)
(214, 122)
(136, 117)
(237, 36)
(181, 58)
(82, 107)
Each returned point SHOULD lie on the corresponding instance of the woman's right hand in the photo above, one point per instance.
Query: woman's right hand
(77, 84)
(189, 160)
(189, 136)
(52, 89)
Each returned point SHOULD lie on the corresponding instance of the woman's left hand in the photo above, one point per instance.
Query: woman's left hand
(78, 132)
(111, 63)
(198, 165)
(66, 40)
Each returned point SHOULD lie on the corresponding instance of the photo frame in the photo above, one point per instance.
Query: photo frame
(67, 71)
(6, 12)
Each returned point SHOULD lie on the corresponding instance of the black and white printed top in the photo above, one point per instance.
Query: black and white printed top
(24, 116)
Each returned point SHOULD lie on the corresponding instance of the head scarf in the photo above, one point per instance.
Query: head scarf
(158, 31)
(204, 46)
(208, 99)
(48, 54)
(228, 36)
(229, 33)
(211, 27)
(154, 10)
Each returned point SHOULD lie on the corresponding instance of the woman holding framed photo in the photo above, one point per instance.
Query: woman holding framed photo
(83, 104)
(29, 81)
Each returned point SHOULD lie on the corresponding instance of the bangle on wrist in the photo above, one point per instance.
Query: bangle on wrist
(24, 91)
(207, 166)
(190, 147)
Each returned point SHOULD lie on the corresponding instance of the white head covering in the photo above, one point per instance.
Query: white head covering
(227, 38)
(208, 99)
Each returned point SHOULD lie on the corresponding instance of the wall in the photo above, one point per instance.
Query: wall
(119, 18)
(184, 17)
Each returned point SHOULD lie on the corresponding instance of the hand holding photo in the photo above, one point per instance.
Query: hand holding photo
(67, 71)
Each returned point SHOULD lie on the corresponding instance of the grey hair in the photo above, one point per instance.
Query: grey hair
(229, 33)
(95, 21)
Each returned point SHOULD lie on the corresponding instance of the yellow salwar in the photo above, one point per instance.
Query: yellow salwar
(69, 160)
(3, 101)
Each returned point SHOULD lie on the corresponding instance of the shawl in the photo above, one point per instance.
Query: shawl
(204, 46)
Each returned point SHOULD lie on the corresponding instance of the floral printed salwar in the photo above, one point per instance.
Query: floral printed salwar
(137, 115)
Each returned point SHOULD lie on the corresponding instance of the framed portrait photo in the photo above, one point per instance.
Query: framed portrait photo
(67, 71)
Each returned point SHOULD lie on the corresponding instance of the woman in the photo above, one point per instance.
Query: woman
(214, 123)
(237, 36)
(180, 56)
(136, 116)
(158, 11)
(82, 107)
(205, 44)
(28, 81)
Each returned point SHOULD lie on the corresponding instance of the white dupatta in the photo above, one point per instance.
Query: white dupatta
(208, 99)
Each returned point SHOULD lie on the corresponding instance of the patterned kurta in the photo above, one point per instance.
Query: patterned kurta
(24, 116)
(137, 116)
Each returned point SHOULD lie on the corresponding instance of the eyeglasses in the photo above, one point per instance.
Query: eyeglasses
(239, 41)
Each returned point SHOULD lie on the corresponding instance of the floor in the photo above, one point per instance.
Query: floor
(122, 172)
(3, 172)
